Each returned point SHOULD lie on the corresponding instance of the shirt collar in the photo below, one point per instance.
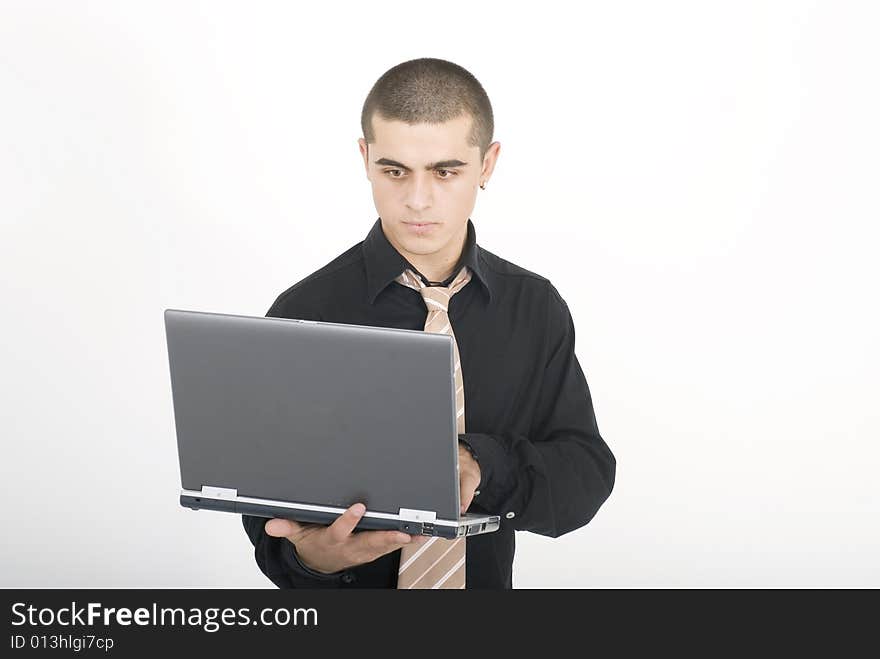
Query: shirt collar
(384, 263)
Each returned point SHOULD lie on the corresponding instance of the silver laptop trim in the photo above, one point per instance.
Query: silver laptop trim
(223, 494)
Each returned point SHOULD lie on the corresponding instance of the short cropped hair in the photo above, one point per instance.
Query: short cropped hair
(430, 90)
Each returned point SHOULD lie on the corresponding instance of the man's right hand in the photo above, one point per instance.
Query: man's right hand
(336, 547)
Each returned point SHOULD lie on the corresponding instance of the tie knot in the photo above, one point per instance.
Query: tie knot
(436, 297)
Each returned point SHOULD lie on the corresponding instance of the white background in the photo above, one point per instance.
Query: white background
(699, 180)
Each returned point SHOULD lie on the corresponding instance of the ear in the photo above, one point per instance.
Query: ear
(365, 153)
(489, 161)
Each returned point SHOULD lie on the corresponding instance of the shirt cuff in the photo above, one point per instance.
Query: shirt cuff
(288, 552)
(495, 469)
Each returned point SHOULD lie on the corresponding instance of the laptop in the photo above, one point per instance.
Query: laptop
(300, 419)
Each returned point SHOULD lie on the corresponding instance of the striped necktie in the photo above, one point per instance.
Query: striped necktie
(440, 562)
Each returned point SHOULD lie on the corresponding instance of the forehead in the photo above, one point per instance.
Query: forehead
(418, 143)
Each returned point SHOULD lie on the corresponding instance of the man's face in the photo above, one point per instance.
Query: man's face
(428, 174)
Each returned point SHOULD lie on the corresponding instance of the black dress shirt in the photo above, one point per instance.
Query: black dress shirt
(528, 411)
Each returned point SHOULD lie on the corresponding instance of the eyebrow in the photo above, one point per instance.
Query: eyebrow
(443, 164)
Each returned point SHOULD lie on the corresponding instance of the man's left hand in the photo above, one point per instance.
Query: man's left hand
(468, 476)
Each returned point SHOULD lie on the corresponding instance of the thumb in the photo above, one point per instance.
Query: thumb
(281, 528)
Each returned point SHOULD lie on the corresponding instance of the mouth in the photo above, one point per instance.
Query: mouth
(421, 228)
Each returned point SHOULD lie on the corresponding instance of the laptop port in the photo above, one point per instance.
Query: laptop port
(427, 528)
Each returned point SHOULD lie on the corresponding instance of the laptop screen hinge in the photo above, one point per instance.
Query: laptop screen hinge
(417, 515)
(218, 492)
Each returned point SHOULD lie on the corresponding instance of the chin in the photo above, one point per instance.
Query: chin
(422, 247)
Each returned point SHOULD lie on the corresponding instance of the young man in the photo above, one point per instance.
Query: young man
(529, 447)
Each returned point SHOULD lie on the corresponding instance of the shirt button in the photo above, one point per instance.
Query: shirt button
(510, 515)
(348, 577)
(476, 493)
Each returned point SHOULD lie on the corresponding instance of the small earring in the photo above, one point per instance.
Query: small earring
(483, 185)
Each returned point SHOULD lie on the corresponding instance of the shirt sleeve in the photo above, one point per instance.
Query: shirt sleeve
(278, 560)
(554, 480)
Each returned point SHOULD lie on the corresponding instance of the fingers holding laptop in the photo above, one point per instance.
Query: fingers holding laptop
(336, 547)
(469, 476)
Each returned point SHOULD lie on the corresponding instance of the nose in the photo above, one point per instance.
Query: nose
(419, 192)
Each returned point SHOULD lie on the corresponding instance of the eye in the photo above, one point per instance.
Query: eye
(448, 171)
(389, 171)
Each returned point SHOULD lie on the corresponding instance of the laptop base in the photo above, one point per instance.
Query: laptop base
(465, 526)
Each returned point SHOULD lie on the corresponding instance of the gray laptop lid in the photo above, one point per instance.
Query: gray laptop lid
(314, 412)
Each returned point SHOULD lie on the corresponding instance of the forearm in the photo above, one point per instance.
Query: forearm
(551, 486)
(276, 558)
